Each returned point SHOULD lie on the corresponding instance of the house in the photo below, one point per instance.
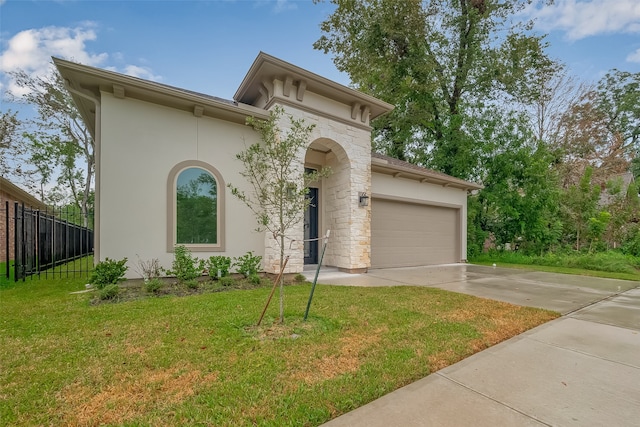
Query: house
(10, 194)
(153, 141)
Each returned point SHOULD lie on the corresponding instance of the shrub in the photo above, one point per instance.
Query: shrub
(227, 281)
(149, 269)
(109, 292)
(255, 279)
(153, 285)
(632, 244)
(185, 267)
(218, 263)
(109, 272)
(299, 278)
(611, 261)
(247, 264)
(191, 284)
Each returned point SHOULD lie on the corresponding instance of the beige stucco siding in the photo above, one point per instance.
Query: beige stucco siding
(141, 143)
(389, 187)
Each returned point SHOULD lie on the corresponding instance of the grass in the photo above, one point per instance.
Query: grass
(79, 268)
(199, 360)
(611, 264)
(3, 273)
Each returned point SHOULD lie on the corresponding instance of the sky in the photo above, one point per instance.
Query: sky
(208, 46)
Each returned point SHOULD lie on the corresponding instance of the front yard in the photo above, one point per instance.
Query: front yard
(198, 360)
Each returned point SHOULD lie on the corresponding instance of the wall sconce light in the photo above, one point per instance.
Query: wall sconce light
(363, 200)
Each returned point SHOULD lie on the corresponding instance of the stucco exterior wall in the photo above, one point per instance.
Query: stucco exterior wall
(141, 143)
(403, 188)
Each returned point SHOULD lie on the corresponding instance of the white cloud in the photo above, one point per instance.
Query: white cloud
(278, 5)
(141, 72)
(31, 50)
(634, 56)
(282, 5)
(581, 19)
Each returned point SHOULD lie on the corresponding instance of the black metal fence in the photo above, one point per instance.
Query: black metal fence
(56, 242)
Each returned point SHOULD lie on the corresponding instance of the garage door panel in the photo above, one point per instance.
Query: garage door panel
(405, 234)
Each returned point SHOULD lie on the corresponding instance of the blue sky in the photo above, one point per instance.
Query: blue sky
(208, 46)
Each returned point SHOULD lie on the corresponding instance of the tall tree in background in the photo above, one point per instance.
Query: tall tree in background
(553, 92)
(619, 102)
(519, 203)
(579, 204)
(600, 129)
(58, 143)
(585, 140)
(9, 130)
(438, 62)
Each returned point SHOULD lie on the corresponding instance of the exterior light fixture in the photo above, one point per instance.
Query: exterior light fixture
(363, 200)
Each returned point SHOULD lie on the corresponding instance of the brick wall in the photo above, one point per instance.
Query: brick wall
(4, 224)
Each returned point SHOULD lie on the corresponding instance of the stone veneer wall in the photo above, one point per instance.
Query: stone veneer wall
(350, 225)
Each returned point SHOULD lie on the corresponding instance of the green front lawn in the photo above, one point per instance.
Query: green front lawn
(198, 360)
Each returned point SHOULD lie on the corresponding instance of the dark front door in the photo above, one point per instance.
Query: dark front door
(311, 228)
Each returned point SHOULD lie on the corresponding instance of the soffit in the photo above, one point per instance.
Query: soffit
(267, 68)
(94, 81)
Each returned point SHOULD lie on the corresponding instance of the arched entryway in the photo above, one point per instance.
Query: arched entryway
(329, 205)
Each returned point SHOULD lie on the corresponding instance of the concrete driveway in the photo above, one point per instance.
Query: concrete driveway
(582, 369)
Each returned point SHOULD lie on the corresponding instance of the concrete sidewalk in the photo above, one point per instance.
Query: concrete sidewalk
(582, 369)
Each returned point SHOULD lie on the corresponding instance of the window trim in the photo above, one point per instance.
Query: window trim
(172, 207)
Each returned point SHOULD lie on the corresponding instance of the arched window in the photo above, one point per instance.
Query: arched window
(196, 211)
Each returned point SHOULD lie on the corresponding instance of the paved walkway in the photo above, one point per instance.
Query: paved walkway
(582, 369)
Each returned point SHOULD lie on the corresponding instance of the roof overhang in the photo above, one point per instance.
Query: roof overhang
(19, 195)
(267, 68)
(384, 166)
(95, 81)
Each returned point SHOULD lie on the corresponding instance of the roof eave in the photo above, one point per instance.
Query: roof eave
(382, 166)
(324, 86)
(97, 80)
(18, 193)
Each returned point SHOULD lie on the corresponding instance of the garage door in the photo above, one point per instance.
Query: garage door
(406, 234)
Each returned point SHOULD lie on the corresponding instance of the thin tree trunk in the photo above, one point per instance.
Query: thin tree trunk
(281, 278)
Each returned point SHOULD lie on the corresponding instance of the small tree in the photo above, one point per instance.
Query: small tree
(279, 183)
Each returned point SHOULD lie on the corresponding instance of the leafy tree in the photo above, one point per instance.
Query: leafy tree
(438, 62)
(579, 204)
(59, 142)
(9, 126)
(596, 227)
(520, 198)
(587, 139)
(619, 101)
(277, 179)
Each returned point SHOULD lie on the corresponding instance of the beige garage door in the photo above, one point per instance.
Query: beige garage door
(406, 234)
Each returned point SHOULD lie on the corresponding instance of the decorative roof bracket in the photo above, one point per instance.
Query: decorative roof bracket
(302, 87)
(288, 82)
(118, 91)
